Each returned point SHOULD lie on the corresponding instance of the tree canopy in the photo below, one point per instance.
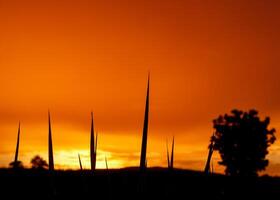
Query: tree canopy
(242, 140)
(38, 162)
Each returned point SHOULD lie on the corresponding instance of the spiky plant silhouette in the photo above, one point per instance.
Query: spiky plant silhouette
(16, 163)
(167, 155)
(80, 162)
(143, 159)
(17, 147)
(170, 159)
(93, 145)
(106, 163)
(207, 169)
(51, 162)
(172, 155)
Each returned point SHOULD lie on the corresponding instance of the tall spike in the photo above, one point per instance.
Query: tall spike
(51, 163)
(95, 151)
(145, 130)
(210, 152)
(168, 161)
(92, 146)
(80, 162)
(17, 147)
(106, 163)
(207, 166)
(96, 137)
(172, 155)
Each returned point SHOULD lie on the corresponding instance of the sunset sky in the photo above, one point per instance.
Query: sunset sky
(76, 56)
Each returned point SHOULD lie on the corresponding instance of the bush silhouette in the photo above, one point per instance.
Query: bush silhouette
(38, 162)
(242, 140)
(16, 165)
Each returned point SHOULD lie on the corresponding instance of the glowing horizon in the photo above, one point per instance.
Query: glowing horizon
(67, 159)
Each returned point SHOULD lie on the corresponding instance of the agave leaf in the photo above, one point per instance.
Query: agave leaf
(17, 147)
(51, 162)
(172, 155)
(92, 145)
(143, 160)
(167, 152)
(80, 162)
(208, 162)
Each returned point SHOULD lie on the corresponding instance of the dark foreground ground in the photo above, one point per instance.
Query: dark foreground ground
(155, 183)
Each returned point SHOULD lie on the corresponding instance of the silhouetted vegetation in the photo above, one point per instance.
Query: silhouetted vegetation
(80, 162)
(16, 165)
(123, 184)
(38, 163)
(93, 146)
(143, 159)
(170, 159)
(51, 162)
(207, 169)
(242, 140)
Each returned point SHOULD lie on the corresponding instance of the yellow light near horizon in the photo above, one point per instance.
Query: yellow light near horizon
(69, 159)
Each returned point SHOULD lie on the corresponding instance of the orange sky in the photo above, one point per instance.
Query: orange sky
(74, 57)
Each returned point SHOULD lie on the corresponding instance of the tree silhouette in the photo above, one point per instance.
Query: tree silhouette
(242, 140)
(16, 165)
(38, 162)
